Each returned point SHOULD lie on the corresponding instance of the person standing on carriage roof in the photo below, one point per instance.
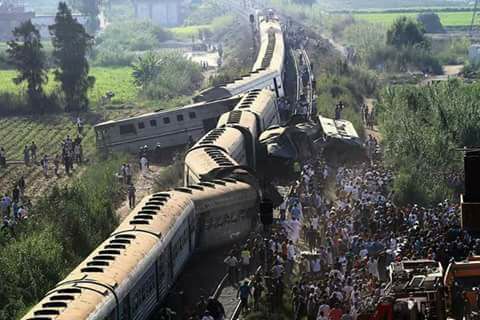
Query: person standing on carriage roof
(338, 110)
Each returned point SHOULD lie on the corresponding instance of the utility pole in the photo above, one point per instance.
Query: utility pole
(474, 15)
(254, 40)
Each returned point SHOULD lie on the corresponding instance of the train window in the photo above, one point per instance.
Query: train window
(192, 115)
(166, 120)
(141, 125)
(153, 123)
(179, 117)
(127, 128)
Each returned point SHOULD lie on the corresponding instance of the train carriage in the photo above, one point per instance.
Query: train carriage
(263, 105)
(267, 72)
(133, 269)
(226, 210)
(206, 163)
(165, 129)
(230, 140)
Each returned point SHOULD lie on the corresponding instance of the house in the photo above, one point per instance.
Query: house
(166, 13)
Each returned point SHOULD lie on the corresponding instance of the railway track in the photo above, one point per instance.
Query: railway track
(129, 274)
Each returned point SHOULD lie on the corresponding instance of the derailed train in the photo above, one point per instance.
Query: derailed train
(175, 128)
(129, 274)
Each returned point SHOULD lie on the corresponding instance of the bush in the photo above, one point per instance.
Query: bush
(171, 176)
(111, 56)
(204, 13)
(62, 229)
(411, 58)
(422, 129)
(120, 40)
(365, 38)
(18, 104)
(431, 22)
(454, 51)
(30, 266)
(176, 76)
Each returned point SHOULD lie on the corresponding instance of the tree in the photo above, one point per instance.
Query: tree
(26, 55)
(405, 32)
(146, 69)
(431, 22)
(70, 46)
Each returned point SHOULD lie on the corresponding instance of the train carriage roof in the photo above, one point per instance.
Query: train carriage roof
(204, 162)
(340, 130)
(256, 101)
(225, 138)
(226, 101)
(115, 260)
(67, 302)
(156, 214)
(228, 191)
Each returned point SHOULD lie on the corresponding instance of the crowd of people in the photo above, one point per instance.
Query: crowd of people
(13, 207)
(348, 242)
(368, 116)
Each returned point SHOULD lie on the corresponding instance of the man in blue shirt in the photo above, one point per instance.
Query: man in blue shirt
(244, 293)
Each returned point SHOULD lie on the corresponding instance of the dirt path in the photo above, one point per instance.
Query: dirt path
(452, 70)
(144, 185)
(375, 133)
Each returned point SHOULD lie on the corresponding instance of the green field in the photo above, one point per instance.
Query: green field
(448, 19)
(49, 131)
(119, 80)
(186, 32)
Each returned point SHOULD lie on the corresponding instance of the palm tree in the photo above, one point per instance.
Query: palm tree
(146, 68)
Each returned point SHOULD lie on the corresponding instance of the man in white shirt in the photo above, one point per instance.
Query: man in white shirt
(315, 265)
(144, 164)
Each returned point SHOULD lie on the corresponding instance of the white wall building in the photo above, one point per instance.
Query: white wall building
(166, 13)
(474, 53)
(42, 22)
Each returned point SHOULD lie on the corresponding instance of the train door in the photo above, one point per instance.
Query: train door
(201, 219)
(143, 297)
(164, 274)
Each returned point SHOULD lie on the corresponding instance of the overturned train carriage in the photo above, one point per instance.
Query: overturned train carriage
(129, 274)
(164, 129)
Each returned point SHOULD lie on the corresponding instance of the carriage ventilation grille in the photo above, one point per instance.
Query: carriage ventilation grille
(58, 301)
(267, 59)
(121, 241)
(234, 117)
(249, 99)
(150, 209)
(212, 136)
(207, 184)
(219, 158)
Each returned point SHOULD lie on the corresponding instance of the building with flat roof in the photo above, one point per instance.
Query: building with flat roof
(12, 13)
(165, 13)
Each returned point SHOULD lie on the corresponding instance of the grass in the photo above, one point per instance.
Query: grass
(448, 19)
(187, 32)
(48, 132)
(116, 79)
